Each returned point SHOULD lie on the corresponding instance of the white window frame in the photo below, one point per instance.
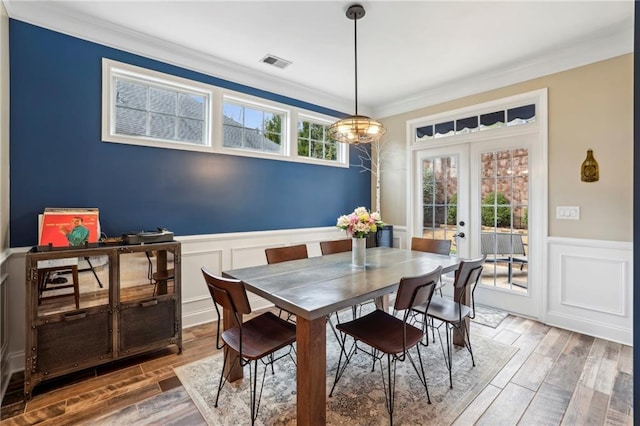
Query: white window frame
(214, 128)
(262, 105)
(112, 70)
(342, 149)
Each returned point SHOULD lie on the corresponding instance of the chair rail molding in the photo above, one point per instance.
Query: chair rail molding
(590, 287)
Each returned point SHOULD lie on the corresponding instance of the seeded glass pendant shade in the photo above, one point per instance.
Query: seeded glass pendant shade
(356, 129)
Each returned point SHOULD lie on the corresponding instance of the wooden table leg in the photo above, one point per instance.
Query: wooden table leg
(382, 302)
(232, 370)
(312, 371)
(458, 338)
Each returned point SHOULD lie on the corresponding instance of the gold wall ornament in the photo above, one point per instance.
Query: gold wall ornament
(589, 171)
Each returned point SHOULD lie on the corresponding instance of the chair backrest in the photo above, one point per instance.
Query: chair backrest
(335, 246)
(430, 245)
(414, 291)
(230, 294)
(468, 273)
(283, 254)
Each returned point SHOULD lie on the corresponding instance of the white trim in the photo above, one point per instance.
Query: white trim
(47, 15)
(112, 69)
(608, 44)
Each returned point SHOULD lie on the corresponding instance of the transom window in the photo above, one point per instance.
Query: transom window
(252, 127)
(159, 112)
(313, 141)
(490, 120)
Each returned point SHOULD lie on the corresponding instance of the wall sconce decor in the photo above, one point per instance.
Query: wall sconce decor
(589, 171)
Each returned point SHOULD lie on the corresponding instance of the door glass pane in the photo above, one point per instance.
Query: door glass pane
(504, 238)
(439, 198)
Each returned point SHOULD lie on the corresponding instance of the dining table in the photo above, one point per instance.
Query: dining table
(315, 287)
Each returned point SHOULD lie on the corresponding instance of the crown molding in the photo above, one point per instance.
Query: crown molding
(600, 46)
(46, 15)
(603, 45)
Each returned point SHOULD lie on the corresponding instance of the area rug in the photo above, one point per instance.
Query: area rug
(359, 397)
(490, 317)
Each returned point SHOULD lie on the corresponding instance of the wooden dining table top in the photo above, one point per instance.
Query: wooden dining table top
(317, 286)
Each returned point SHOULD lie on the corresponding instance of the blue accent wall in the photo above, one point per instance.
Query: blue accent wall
(58, 159)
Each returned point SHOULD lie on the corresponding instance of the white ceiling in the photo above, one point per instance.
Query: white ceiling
(410, 53)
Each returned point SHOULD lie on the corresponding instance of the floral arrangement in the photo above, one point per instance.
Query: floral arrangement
(360, 223)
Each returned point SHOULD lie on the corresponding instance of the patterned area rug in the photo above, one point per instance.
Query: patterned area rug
(359, 398)
(489, 316)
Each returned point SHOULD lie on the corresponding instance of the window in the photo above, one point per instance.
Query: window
(146, 107)
(252, 127)
(491, 120)
(313, 141)
(149, 108)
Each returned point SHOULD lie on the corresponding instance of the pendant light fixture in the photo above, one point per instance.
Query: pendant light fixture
(356, 128)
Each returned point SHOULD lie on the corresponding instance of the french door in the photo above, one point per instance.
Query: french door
(477, 194)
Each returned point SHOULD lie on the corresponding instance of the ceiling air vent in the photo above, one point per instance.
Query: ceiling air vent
(275, 61)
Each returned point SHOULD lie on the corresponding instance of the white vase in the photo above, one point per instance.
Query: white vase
(358, 252)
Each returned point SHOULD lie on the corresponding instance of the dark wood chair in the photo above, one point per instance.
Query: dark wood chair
(254, 340)
(340, 246)
(455, 314)
(335, 246)
(285, 254)
(390, 335)
(430, 245)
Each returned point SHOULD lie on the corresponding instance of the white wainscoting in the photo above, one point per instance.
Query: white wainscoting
(217, 252)
(590, 287)
(221, 252)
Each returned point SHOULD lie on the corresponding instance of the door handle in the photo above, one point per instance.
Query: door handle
(459, 234)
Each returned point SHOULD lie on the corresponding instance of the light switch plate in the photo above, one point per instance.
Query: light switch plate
(568, 212)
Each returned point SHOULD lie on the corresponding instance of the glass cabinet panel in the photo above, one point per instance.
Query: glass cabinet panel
(147, 274)
(72, 283)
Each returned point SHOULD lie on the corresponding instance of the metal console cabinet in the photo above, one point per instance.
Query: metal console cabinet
(93, 305)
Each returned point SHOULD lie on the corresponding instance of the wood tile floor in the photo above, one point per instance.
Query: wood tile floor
(556, 377)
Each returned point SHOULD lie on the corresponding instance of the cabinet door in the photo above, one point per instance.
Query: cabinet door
(71, 340)
(147, 323)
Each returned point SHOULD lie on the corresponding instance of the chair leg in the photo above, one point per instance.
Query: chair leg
(464, 332)
(447, 359)
(222, 379)
(421, 375)
(347, 358)
(389, 385)
(253, 382)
